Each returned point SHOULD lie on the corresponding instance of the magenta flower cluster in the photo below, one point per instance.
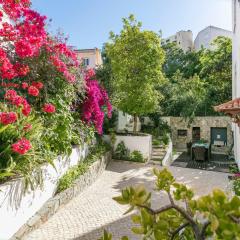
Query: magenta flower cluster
(96, 100)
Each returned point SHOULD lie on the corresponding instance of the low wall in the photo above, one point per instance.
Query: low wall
(139, 143)
(168, 159)
(16, 207)
(53, 204)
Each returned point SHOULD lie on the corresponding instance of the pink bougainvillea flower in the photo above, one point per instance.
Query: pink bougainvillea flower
(33, 91)
(8, 118)
(49, 108)
(96, 98)
(22, 146)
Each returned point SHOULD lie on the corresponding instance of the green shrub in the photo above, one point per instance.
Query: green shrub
(136, 156)
(121, 152)
(68, 179)
(156, 142)
(236, 186)
(165, 139)
(233, 168)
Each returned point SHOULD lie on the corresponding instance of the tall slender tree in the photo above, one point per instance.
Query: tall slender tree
(136, 59)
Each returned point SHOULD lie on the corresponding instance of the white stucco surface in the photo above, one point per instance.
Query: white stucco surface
(139, 143)
(236, 71)
(16, 208)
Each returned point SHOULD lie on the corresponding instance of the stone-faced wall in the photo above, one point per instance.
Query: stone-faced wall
(204, 123)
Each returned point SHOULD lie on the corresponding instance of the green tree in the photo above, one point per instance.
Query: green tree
(184, 97)
(188, 63)
(216, 69)
(104, 73)
(136, 59)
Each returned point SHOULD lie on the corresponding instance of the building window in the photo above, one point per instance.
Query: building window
(86, 61)
(182, 133)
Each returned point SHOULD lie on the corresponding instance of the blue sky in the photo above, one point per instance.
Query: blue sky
(88, 22)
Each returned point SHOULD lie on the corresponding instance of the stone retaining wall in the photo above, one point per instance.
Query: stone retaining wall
(53, 204)
(205, 124)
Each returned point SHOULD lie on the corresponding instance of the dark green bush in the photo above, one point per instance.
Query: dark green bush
(121, 152)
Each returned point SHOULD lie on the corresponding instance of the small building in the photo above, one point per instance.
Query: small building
(215, 130)
(183, 39)
(208, 35)
(90, 58)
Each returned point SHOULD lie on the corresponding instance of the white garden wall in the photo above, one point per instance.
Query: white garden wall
(140, 143)
(16, 207)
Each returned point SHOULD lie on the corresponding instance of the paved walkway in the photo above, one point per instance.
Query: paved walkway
(85, 217)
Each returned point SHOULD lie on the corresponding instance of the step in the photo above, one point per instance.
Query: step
(158, 150)
(155, 162)
(160, 155)
(157, 146)
(157, 158)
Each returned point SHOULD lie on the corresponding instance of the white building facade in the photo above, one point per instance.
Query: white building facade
(183, 39)
(208, 35)
(236, 71)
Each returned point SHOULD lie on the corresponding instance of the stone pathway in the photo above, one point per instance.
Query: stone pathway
(85, 217)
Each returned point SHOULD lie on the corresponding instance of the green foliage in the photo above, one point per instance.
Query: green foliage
(197, 81)
(214, 216)
(233, 168)
(236, 186)
(121, 152)
(156, 142)
(136, 60)
(110, 123)
(14, 165)
(165, 139)
(216, 69)
(104, 73)
(136, 156)
(185, 97)
(68, 179)
(188, 63)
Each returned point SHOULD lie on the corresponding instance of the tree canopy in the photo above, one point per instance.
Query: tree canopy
(197, 81)
(136, 59)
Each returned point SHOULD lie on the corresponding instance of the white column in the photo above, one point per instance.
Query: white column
(236, 71)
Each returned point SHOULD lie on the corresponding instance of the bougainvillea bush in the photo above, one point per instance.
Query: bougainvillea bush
(96, 103)
(40, 82)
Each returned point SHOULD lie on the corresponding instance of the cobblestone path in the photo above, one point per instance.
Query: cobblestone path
(85, 217)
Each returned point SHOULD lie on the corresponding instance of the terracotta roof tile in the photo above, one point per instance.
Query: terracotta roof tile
(231, 107)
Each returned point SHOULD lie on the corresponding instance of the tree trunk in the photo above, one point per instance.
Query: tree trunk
(134, 123)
